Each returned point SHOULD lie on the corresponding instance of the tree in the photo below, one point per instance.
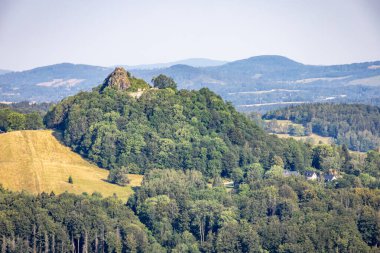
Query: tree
(369, 226)
(16, 121)
(34, 121)
(119, 176)
(275, 171)
(163, 82)
(70, 180)
(217, 181)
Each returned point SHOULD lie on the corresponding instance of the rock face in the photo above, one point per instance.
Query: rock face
(118, 79)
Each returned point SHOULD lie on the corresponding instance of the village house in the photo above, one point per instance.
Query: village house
(311, 175)
(330, 177)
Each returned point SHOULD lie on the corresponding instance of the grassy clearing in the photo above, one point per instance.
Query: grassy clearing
(280, 127)
(313, 138)
(36, 161)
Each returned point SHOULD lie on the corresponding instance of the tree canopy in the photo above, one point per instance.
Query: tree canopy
(355, 125)
(164, 128)
(163, 82)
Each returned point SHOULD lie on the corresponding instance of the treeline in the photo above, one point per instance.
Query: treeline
(12, 120)
(28, 107)
(70, 223)
(264, 213)
(355, 125)
(182, 212)
(164, 128)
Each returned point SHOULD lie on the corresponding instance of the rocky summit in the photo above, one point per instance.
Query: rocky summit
(118, 79)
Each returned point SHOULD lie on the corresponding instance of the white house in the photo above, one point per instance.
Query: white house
(311, 175)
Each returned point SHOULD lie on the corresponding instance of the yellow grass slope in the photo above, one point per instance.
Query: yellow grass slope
(36, 161)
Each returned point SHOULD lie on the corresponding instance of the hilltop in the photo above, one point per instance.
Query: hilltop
(257, 83)
(37, 162)
(163, 128)
(193, 62)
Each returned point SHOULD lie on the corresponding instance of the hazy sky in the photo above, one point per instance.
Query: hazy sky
(109, 32)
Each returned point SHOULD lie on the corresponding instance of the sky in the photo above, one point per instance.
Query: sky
(98, 32)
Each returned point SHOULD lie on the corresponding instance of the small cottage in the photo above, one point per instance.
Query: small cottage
(311, 175)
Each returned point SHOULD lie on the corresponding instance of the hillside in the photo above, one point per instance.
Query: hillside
(164, 128)
(258, 83)
(357, 126)
(288, 129)
(37, 162)
(49, 83)
(181, 140)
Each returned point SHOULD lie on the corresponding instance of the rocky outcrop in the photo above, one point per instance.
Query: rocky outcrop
(118, 79)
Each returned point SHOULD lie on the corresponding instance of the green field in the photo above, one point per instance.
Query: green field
(36, 161)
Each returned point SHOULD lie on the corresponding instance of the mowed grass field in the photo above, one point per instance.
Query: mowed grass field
(35, 161)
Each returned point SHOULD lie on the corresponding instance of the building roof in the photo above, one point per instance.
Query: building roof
(329, 177)
(310, 173)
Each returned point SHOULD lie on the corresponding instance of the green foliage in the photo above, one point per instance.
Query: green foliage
(275, 171)
(164, 128)
(325, 158)
(217, 181)
(11, 120)
(70, 223)
(357, 126)
(137, 84)
(163, 82)
(273, 214)
(16, 121)
(119, 176)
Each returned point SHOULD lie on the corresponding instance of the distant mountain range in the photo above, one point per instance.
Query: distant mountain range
(193, 62)
(257, 83)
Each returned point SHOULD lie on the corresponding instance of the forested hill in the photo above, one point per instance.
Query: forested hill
(163, 128)
(356, 126)
(181, 141)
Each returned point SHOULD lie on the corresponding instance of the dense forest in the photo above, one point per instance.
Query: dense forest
(356, 126)
(164, 128)
(70, 223)
(185, 130)
(180, 212)
(265, 213)
(187, 144)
